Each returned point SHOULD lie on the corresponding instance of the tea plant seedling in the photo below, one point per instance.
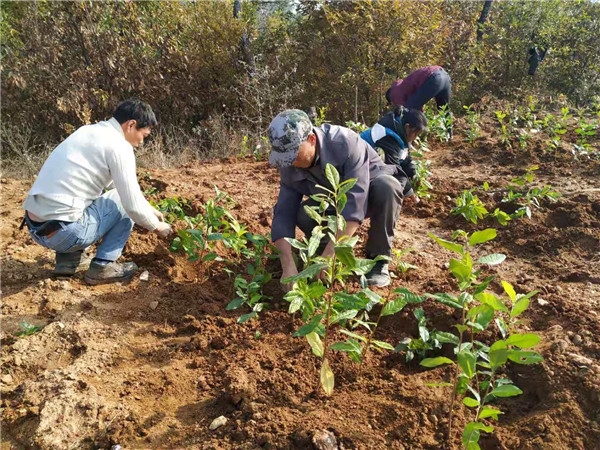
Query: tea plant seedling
(473, 122)
(27, 329)
(320, 304)
(470, 207)
(476, 376)
(440, 123)
(505, 133)
(173, 208)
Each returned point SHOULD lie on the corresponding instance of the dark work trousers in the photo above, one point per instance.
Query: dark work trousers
(438, 85)
(384, 205)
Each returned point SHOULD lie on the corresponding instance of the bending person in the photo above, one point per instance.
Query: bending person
(392, 137)
(67, 209)
(302, 152)
(419, 87)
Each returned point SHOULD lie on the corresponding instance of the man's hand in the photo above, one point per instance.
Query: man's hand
(288, 272)
(412, 199)
(288, 266)
(158, 215)
(163, 230)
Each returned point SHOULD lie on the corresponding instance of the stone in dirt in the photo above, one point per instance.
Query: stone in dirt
(240, 387)
(145, 276)
(324, 440)
(218, 422)
(153, 305)
(579, 360)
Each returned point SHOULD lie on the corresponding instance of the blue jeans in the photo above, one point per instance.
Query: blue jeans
(438, 85)
(104, 219)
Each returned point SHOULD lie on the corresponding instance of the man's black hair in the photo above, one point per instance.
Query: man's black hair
(134, 109)
(414, 117)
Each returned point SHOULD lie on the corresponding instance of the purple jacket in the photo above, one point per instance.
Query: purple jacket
(351, 156)
(402, 89)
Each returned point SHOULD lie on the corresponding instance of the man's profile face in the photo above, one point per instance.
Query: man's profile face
(134, 135)
(306, 153)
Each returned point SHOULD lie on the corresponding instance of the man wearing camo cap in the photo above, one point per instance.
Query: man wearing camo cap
(301, 152)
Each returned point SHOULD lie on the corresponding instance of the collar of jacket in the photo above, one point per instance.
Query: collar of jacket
(116, 125)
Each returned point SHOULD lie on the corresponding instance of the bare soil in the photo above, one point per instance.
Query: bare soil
(110, 367)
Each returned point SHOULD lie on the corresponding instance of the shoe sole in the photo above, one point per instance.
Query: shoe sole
(378, 284)
(95, 282)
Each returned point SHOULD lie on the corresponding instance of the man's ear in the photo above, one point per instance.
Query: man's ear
(312, 138)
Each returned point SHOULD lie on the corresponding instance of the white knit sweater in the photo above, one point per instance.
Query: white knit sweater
(80, 168)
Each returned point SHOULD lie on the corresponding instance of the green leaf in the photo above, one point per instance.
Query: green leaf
(467, 362)
(341, 204)
(452, 246)
(234, 304)
(523, 340)
(309, 327)
(470, 402)
(332, 176)
(446, 338)
(409, 296)
(344, 315)
(313, 214)
(383, 345)
(498, 354)
(247, 317)
(506, 390)
(349, 346)
(315, 343)
(461, 271)
(393, 307)
(309, 272)
(509, 290)
(354, 335)
(434, 362)
(527, 357)
(481, 314)
(363, 266)
(492, 260)
(438, 384)
(479, 237)
(313, 243)
(327, 378)
(446, 299)
(491, 300)
(488, 411)
(519, 306)
(345, 254)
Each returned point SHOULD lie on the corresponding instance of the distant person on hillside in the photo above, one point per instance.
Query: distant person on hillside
(302, 152)
(419, 87)
(393, 136)
(67, 209)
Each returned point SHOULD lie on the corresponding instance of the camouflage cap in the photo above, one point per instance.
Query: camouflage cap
(287, 131)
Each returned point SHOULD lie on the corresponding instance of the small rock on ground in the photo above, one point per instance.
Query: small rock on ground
(153, 305)
(324, 440)
(145, 276)
(218, 422)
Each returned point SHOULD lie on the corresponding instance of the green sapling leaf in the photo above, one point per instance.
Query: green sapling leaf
(492, 260)
(435, 362)
(314, 340)
(479, 237)
(523, 340)
(452, 246)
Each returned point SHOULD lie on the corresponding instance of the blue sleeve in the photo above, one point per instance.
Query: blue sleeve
(285, 213)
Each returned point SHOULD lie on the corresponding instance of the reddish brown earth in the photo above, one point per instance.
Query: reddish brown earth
(108, 369)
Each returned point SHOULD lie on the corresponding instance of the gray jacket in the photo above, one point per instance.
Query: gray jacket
(350, 155)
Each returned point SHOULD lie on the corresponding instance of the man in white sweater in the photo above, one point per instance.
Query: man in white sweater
(67, 209)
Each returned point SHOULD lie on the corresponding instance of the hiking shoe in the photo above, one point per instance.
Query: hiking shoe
(109, 273)
(67, 264)
(379, 276)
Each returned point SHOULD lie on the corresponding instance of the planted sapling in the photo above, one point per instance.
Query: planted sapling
(476, 375)
(320, 305)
